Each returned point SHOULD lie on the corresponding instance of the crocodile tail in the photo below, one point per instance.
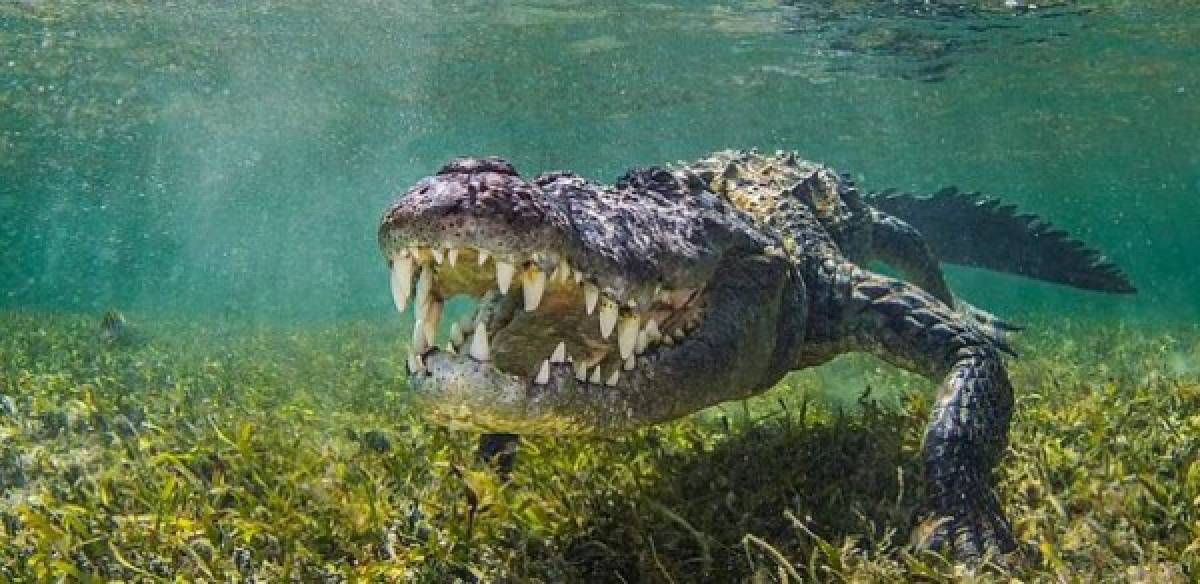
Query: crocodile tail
(969, 229)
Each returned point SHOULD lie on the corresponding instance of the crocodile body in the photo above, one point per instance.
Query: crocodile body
(603, 308)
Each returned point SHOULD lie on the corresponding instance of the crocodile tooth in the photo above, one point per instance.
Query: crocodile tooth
(667, 340)
(578, 277)
(504, 275)
(533, 284)
(627, 334)
(419, 311)
(452, 256)
(630, 362)
(450, 348)
(483, 256)
(595, 378)
(433, 317)
(456, 334)
(415, 365)
(402, 279)
(560, 353)
(479, 343)
(424, 286)
(608, 317)
(439, 256)
(614, 378)
(420, 341)
(562, 272)
(643, 341)
(581, 370)
(652, 332)
(591, 295)
(543, 375)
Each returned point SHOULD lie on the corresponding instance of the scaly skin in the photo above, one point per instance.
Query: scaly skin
(749, 267)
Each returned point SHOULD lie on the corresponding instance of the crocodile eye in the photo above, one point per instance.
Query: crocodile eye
(694, 181)
(654, 179)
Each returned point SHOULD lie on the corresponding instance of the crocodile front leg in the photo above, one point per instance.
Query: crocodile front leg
(968, 427)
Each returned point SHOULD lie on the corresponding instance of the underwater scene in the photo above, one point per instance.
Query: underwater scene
(610, 291)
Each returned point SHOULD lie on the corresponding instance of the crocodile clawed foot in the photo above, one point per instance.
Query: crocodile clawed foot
(977, 536)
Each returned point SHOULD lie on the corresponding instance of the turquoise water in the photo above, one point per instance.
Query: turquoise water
(216, 171)
(231, 160)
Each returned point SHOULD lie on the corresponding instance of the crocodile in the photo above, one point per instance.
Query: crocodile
(682, 286)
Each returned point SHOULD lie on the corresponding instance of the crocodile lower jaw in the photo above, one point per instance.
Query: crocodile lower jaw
(561, 318)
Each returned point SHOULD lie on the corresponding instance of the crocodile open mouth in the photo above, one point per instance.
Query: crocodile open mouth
(560, 325)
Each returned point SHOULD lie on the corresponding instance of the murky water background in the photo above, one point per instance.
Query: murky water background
(230, 160)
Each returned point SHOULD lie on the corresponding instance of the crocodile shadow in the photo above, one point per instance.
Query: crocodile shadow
(780, 482)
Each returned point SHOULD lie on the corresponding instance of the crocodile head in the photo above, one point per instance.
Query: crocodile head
(597, 308)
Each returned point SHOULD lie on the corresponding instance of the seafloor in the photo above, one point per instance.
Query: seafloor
(195, 451)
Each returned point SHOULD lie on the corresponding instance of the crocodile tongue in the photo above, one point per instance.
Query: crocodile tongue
(529, 338)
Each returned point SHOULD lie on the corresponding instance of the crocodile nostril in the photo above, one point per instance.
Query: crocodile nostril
(467, 165)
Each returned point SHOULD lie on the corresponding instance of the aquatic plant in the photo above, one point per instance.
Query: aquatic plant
(291, 455)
